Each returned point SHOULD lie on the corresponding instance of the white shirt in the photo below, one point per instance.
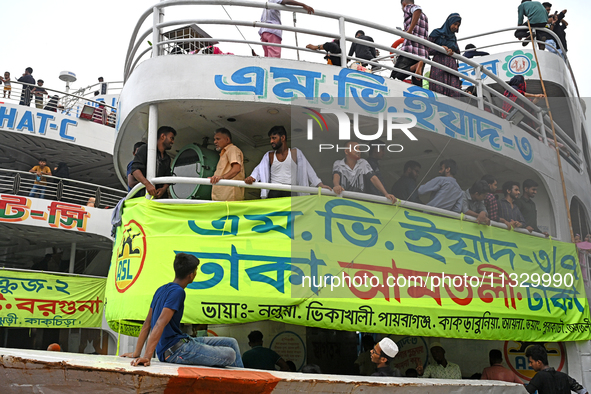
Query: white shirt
(271, 16)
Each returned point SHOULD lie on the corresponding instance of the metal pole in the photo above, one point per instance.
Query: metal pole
(72, 257)
(152, 143)
(342, 42)
(296, 34)
(156, 18)
(542, 127)
(479, 91)
(570, 223)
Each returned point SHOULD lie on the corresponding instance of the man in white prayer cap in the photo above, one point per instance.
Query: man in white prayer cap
(382, 353)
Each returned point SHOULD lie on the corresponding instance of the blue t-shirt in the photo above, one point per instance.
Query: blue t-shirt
(171, 296)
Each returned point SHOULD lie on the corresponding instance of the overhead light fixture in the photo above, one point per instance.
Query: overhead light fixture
(272, 111)
(231, 119)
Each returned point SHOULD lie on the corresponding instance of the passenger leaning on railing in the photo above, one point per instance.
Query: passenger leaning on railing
(275, 35)
(38, 189)
(518, 83)
(537, 17)
(230, 166)
(165, 138)
(444, 189)
(354, 174)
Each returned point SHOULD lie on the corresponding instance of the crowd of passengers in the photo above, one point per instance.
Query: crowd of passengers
(288, 166)
(416, 23)
(47, 102)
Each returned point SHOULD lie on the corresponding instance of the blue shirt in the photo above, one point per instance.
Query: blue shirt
(171, 296)
(446, 193)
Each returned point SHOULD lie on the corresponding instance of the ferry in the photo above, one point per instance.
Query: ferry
(56, 229)
(316, 271)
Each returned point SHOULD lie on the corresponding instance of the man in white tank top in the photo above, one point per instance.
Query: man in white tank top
(284, 166)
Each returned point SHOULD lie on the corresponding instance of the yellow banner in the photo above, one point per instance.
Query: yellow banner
(348, 265)
(35, 299)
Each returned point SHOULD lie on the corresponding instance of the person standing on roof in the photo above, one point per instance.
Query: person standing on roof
(26, 89)
(417, 24)
(538, 18)
(445, 37)
(273, 16)
(363, 51)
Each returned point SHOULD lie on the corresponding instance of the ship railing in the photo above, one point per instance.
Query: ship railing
(70, 104)
(311, 190)
(21, 183)
(512, 29)
(524, 107)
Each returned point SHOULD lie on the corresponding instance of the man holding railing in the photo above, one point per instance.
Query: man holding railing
(275, 35)
(26, 89)
(537, 17)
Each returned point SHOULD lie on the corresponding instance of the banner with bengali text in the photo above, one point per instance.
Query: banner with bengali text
(36, 299)
(348, 265)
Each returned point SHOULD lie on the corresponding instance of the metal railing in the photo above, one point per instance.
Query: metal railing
(529, 111)
(312, 190)
(58, 189)
(58, 101)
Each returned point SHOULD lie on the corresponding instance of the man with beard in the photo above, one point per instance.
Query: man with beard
(406, 187)
(165, 136)
(284, 166)
(528, 208)
(230, 166)
(444, 189)
(443, 369)
(509, 211)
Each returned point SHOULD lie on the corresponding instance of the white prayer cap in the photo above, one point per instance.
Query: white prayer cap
(388, 347)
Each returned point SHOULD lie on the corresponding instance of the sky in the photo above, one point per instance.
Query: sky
(91, 38)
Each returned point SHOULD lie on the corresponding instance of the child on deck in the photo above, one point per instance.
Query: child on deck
(7, 85)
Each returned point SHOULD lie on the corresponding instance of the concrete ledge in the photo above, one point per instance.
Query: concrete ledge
(37, 371)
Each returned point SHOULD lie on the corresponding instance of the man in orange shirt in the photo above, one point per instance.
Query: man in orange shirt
(230, 166)
(38, 189)
(496, 371)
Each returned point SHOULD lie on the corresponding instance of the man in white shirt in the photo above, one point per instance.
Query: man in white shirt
(283, 165)
(355, 174)
(274, 36)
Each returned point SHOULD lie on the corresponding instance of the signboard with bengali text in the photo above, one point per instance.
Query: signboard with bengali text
(348, 265)
(36, 299)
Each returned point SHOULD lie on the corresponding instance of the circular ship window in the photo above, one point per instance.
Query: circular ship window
(193, 161)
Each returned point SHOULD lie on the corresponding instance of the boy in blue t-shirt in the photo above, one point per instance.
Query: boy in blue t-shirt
(164, 318)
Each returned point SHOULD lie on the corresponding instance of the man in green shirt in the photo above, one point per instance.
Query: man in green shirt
(260, 357)
(528, 207)
(537, 17)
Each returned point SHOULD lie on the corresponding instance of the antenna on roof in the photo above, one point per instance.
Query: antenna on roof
(67, 77)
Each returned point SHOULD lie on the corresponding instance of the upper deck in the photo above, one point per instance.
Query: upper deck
(248, 95)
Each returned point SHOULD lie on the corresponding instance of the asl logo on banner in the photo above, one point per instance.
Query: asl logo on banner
(131, 254)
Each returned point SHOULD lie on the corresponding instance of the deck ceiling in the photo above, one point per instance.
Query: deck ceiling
(22, 151)
(19, 244)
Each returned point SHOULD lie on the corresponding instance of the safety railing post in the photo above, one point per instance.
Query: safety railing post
(157, 17)
(343, 42)
(480, 88)
(542, 127)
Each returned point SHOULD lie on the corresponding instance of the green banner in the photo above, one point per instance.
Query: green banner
(348, 265)
(35, 299)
